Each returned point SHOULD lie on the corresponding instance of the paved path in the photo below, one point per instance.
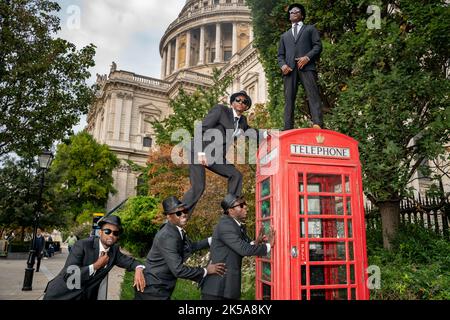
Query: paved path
(12, 273)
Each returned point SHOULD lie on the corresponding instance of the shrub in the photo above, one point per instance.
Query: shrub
(418, 267)
(139, 225)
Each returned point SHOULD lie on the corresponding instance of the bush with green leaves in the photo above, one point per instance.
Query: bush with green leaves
(418, 268)
(138, 223)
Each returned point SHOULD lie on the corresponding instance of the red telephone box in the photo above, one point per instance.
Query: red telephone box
(309, 189)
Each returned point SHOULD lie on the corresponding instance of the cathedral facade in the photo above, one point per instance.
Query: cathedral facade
(207, 34)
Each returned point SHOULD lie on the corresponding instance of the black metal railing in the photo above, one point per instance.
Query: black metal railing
(431, 213)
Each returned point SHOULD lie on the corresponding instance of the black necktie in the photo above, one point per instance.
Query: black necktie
(236, 123)
(295, 31)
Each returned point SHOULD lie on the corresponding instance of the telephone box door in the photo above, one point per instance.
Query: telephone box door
(326, 260)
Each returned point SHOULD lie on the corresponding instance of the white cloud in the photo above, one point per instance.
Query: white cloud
(127, 32)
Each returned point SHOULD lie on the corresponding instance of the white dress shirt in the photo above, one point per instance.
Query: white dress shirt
(299, 27)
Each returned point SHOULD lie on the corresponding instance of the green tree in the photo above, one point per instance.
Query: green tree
(42, 78)
(386, 87)
(189, 107)
(19, 191)
(81, 176)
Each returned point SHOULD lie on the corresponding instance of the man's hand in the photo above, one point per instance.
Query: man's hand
(301, 62)
(101, 261)
(285, 69)
(139, 280)
(202, 160)
(261, 237)
(217, 268)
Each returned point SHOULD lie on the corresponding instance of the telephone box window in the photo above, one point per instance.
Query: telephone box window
(352, 274)
(323, 228)
(266, 292)
(350, 229)
(266, 272)
(328, 182)
(265, 208)
(265, 188)
(349, 206)
(329, 294)
(329, 275)
(350, 251)
(329, 251)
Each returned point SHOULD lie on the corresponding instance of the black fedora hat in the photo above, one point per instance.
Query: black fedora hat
(171, 204)
(228, 202)
(115, 220)
(241, 93)
(297, 5)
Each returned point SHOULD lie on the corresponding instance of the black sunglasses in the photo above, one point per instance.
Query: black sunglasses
(179, 213)
(109, 231)
(242, 205)
(244, 101)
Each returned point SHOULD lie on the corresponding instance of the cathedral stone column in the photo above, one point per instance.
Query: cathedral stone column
(164, 64)
(128, 110)
(169, 58)
(188, 49)
(251, 33)
(218, 57)
(118, 102)
(106, 118)
(177, 47)
(235, 39)
(201, 58)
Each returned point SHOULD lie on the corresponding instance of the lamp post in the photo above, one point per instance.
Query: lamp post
(44, 163)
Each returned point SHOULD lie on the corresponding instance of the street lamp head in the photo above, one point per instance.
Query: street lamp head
(45, 159)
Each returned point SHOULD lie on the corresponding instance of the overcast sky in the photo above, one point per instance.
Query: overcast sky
(125, 31)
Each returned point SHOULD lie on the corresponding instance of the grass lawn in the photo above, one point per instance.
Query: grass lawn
(185, 290)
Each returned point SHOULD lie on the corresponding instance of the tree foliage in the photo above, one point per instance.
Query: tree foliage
(386, 87)
(42, 78)
(189, 107)
(81, 175)
(19, 192)
(138, 221)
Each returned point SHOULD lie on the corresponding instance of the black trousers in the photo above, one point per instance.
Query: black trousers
(197, 175)
(309, 81)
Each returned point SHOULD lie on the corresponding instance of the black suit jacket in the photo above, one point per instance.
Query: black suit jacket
(165, 261)
(39, 245)
(221, 118)
(229, 245)
(84, 253)
(307, 44)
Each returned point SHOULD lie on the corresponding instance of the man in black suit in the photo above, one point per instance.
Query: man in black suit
(84, 275)
(38, 247)
(298, 51)
(230, 243)
(171, 248)
(226, 124)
